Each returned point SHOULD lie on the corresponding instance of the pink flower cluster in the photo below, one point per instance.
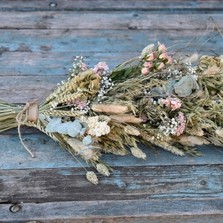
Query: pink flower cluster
(173, 103)
(83, 66)
(100, 68)
(181, 120)
(80, 104)
(156, 60)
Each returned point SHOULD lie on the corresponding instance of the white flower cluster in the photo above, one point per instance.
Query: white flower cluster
(78, 66)
(169, 126)
(102, 69)
(190, 70)
(157, 102)
(106, 84)
(174, 73)
(83, 106)
(95, 126)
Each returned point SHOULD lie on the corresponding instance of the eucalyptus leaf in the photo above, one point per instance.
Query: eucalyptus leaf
(83, 130)
(74, 128)
(61, 128)
(87, 140)
(185, 86)
(158, 92)
(52, 125)
(170, 86)
(55, 120)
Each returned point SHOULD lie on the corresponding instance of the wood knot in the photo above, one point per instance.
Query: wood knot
(15, 208)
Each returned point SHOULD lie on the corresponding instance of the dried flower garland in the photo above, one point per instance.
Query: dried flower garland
(154, 99)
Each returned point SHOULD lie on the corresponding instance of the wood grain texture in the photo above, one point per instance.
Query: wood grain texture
(88, 41)
(19, 89)
(58, 63)
(147, 5)
(133, 211)
(125, 183)
(107, 20)
(49, 155)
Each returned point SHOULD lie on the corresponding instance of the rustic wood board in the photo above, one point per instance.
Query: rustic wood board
(107, 20)
(50, 155)
(38, 41)
(134, 211)
(77, 5)
(125, 183)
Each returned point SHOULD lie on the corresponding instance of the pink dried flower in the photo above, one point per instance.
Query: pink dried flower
(83, 66)
(80, 104)
(145, 70)
(161, 65)
(169, 60)
(173, 103)
(148, 65)
(100, 67)
(161, 47)
(164, 56)
(181, 120)
(150, 57)
(166, 102)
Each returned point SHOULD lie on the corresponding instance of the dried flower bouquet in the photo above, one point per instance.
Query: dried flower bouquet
(154, 99)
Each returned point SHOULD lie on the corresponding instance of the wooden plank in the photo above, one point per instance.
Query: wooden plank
(23, 5)
(59, 60)
(20, 89)
(125, 183)
(49, 155)
(107, 20)
(23, 64)
(79, 41)
(133, 211)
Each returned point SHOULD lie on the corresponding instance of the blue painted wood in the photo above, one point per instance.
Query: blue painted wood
(50, 155)
(68, 40)
(132, 211)
(108, 20)
(125, 183)
(19, 89)
(111, 5)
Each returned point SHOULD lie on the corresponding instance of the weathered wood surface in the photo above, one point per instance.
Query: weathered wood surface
(38, 53)
(147, 5)
(142, 211)
(50, 155)
(38, 41)
(125, 183)
(106, 20)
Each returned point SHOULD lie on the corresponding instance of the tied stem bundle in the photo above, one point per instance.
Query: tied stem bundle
(29, 113)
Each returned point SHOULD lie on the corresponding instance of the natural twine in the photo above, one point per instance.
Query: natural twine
(28, 113)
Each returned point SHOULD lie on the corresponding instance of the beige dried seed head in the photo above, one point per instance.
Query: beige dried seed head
(92, 177)
(138, 153)
(132, 130)
(101, 168)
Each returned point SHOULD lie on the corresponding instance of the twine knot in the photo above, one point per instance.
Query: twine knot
(29, 113)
